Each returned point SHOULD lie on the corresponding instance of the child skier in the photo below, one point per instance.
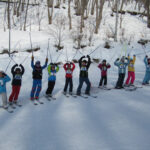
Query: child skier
(84, 66)
(122, 65)
(37, 78)
(52, 70)
(3, 79)
(16, 82)
(131, 71)
(147, 73)
(103, 67)
(69, 68)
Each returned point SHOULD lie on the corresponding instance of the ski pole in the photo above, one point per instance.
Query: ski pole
(48, 50)
(95, 49)
(8, 65)
(66, 54)
(31, 42)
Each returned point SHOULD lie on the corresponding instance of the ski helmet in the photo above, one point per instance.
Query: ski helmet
(18, 69)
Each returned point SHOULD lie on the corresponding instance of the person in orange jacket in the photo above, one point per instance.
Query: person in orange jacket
(131, 71)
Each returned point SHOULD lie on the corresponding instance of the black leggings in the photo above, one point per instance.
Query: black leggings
(70, 83)
(50, 88)
(120, 80)
(103, 78)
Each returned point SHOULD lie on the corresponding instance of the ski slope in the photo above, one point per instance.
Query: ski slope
(116, 120)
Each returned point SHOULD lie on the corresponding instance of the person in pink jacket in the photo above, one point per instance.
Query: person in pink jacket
(103, 67)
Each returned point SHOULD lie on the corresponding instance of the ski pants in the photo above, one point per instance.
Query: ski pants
(70, 83)
(146, 78)
(4, 99)
(50, 88)
(103, 78)
(36, 88)
(131, 76)
(120, 80)
(15, 93)
(81, 81)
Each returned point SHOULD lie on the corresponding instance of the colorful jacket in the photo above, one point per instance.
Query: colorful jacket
(52, 74)
(121, 66)
(131, 67)
(103, 69)
(37, 71)
(3, 83)
(84, 69)
(147, 65)
(17, 78)
(69, 71)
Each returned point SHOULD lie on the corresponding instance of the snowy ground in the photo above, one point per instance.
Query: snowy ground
(116, 120)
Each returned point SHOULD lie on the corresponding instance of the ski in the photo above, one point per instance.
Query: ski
(40, 102)
(19, 105)
(83, 96)
(47, 97)
(13, 107)
(93, 96)
(66, 95)
(73, 95)
(104, 88)
(7, 109)
(33, 101)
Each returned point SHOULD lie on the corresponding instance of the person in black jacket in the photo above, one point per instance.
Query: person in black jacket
(84, 66)
(17, 73)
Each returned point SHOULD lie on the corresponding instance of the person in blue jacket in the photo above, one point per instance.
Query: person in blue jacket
(4, 78)
(122, 65)
(147, 73)
(52, 70)
(37, 78)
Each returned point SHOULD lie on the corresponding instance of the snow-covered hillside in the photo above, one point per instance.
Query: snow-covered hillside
(115, 120)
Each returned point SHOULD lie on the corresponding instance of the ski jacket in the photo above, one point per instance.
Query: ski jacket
(84, 69)
(37, 71)
(17, 78)
(103, 69)
(3, 83)
(121, 66)
(131, 67)
(69, 72)
(147, 65)
(52, 74)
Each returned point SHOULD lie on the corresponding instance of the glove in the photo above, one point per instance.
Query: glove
(32, 57)
(88, 56)
(146, 56)
(4, 74)
(83, 57)
(55, 64)
(71, 63)
(46, 59)
(128, 55)
(126, 58)
(117, 59)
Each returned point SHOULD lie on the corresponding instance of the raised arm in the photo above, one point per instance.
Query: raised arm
(116, 63)
(145, 60)
(80, 61)
(32, 62)
(22, 69)
(45, 65)
(13, 68)
(73, 66)
(89, 61)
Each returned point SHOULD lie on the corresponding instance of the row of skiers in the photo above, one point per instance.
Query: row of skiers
(18, 71)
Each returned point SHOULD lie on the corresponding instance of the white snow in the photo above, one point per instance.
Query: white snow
(116, 120)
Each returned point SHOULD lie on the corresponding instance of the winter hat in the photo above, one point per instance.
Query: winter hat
(37, 62)
(85, 61)
(18, 69)
(104, 60)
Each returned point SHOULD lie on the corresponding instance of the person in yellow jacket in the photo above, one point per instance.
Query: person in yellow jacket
(131, 71)
(52, 70)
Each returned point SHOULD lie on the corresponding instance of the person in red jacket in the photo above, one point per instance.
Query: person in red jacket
(103, 67)
(69, 68)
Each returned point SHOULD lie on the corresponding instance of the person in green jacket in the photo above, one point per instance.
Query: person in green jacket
(52, 70)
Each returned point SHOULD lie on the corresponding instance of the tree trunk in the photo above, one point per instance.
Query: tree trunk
(69, 15)
(26, 16)
(148, 13)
